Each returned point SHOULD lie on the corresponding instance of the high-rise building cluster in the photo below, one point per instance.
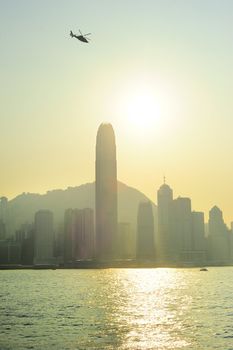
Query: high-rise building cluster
(182, 235)
(79, 240)
(173, 236)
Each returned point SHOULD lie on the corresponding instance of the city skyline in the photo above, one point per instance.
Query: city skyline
(177, 62)
(164, 184)
(173, 234)
(116, 220)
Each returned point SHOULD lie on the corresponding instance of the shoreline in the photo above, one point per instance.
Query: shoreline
(103, 265)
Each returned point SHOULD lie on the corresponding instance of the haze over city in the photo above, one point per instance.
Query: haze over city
(160, 72)
(116, 222)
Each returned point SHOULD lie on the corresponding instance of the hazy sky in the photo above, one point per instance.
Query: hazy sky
(159, 71)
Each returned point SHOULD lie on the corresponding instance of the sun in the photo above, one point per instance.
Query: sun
(145, 109)
(140, 109)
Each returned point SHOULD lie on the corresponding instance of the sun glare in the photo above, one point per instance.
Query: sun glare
(140, 109)
(145, 108)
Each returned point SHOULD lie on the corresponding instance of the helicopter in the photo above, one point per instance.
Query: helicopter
(81, 37)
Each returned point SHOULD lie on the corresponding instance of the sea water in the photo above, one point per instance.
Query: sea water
(160, 308)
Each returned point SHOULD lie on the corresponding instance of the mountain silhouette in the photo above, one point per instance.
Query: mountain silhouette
(23, 207)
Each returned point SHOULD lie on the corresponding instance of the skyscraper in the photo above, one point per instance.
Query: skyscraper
(218, 239)
(3, 209)
(165, 243)
(198, 229)
(126, 247)
(182, 228)
(79, 239)
(106, 193)
(145, 232)
(198, 237)
(3, 217)
(83, 226)
(68, 236)
(44, 237)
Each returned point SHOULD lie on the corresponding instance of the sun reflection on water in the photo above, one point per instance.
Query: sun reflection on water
(123, 309)
(151, 313)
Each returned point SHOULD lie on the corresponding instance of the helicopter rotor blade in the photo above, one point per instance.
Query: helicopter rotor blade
(87, 34)
(80, 31)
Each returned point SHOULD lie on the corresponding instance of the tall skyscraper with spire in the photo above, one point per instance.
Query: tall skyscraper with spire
(164, 200)
(106, 193)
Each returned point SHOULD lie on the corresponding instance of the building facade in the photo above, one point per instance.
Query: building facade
(218, 239)
(182, 229)
(106, 193)
(145, 246)
(79, 235)
(44, 237)
(164, 243)
(126, 246)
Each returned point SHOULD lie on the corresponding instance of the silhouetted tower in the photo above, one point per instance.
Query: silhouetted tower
(44, 237)
(3, 217)
(106, 193)
(126, 248)
(165, 244)
(79, 239)
(198, 236)
(145, 232)
(218, 237)
(3, 209)
(68, 236)
(2, 230)
(83, 221)
(198, 229)
(216, 222)
(182, 228)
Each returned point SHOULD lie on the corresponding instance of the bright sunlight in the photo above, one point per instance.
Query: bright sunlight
(140, 109)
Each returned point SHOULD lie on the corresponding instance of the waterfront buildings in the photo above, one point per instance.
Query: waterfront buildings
(68, 236)
(79, 239)
(199, 244)
(3, 217)
(164, 241)
(106, 193)
(145, 246)
(10, 252)
(218, 239)
(44, 237)
(178, 237)
(126, 246)
(3, 209)
(83, 233)
(180, 231)
(2, 230)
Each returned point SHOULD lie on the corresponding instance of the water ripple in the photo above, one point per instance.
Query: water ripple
(125, 309)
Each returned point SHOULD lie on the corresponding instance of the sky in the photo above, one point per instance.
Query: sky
(159, 70)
